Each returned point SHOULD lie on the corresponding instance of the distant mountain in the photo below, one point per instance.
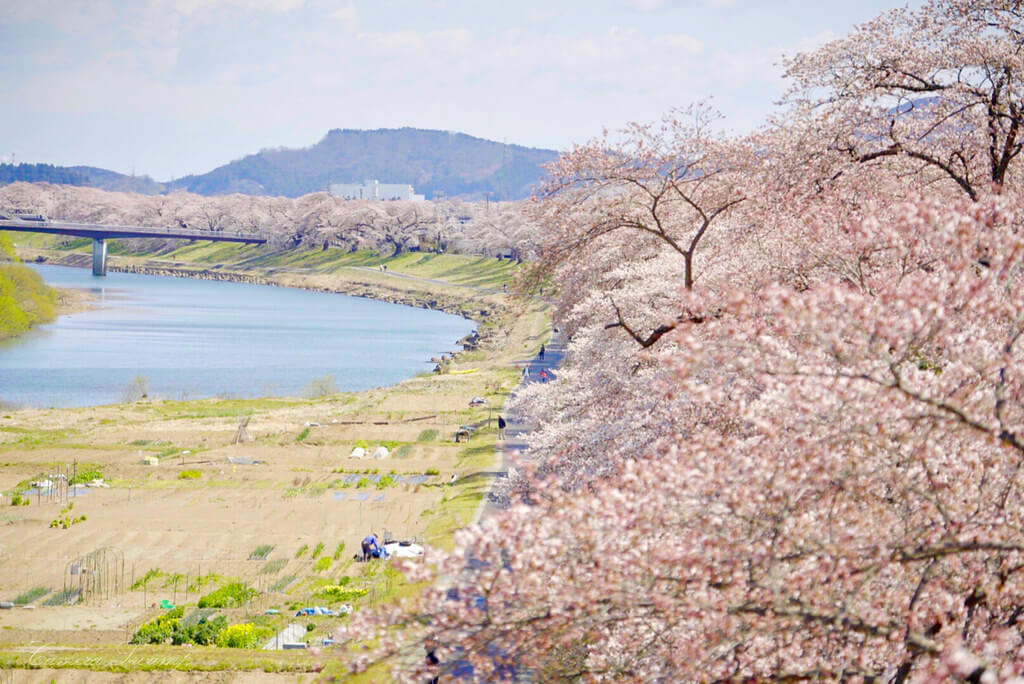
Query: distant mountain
(41, 173)
(89, 176)
(119, 182)
(433, 162)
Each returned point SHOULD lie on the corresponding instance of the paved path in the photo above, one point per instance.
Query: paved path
(516, 430)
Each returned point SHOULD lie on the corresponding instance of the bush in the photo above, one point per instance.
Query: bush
(322, 564)
(302, 435)
(144, 580)
(206, 632)
(321, 387)
(431, 471)
(161, 628)
(318, 549)
(427, 436)
(337, 593)
(280, 584)
(30, 595)
(190, 475)
(64, 597)
(245, 635)
(340, 549)
(273, 567)
(231, 595)
(261, 552)
(86, 475)
(137, 389)
(363, 483)
(385, 481)
(310, 626)
(302, 550)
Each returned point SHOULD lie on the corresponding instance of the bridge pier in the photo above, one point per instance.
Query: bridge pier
(99, 257)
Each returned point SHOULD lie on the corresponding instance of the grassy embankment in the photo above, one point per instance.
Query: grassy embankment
(286, 527)
(24, 299)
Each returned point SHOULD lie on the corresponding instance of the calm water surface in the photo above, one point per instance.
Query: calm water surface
(197, 338)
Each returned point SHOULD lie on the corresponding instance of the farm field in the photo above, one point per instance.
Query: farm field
(188, 509)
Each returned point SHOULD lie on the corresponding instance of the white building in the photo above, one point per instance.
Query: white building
(375, 190)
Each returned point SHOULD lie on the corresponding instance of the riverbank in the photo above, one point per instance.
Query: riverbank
(481, 304)
(262, 491)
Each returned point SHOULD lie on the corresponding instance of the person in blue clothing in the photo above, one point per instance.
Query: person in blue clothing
(371, 547)
(541, 354)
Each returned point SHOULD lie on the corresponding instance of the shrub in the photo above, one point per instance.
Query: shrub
(202, 580)
(310, 626)
(385, 481)
(231, 595)
(363, 483)
(322, 564)
(160, 629)
(205, 633)
(280, 584)
(318, 549)
(302, 550)
(261, 552)
(190, 475)
(321, 387)
(144, 580)
(431, 471)
(340, 549)
(86, 475)
(30, 595)
(137, 389)
(245, 635)
(427, 435)
(402, 451)
(273, 567)
(361, 443)
(17, 499)
(337, 593)
(64, 597)
(302, 435)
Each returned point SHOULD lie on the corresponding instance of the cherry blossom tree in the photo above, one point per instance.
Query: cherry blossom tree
(937, 90)
(656, 194)
(842, 503)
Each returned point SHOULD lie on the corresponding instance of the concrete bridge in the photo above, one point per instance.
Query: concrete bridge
(101, 233)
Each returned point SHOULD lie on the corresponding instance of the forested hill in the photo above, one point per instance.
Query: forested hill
(88, 176)
(432, 162)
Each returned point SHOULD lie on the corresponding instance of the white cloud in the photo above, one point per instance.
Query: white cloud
(347, 16)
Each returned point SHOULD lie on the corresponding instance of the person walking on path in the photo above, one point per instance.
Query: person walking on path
(501, 428)
(541, 354)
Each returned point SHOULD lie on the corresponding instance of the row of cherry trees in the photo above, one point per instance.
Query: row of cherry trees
(316, 220)
(788, 438)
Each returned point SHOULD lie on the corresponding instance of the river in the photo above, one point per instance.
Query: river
(192, 338)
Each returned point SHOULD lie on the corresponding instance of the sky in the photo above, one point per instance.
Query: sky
(167, 88)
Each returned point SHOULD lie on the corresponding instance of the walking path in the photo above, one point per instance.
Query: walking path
(516, 430)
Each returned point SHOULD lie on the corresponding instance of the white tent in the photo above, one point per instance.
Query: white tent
(380, 452)
(403, 550)
(358, 452)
